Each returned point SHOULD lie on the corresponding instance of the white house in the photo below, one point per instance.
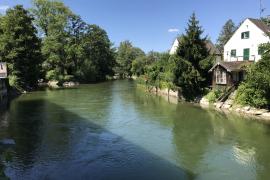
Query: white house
(174, 46)
(241, 50)
(209, 45)
(244, 44)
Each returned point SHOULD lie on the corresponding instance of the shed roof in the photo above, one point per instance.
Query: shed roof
(232, 66)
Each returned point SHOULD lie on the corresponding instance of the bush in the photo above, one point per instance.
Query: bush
(213, 95)
(13, 80)
(249, 95)
(52, 75)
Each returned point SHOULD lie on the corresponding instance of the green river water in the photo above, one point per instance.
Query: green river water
(115, 130)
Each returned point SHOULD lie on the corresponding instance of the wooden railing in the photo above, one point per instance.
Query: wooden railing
(226, 94)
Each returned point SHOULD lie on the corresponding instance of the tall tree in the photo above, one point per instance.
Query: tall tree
(226, 33)
(126, 54)
(99, 54)
(20, 47)
(53, 18)
(50, 15)
(192, 46)
(193, 55)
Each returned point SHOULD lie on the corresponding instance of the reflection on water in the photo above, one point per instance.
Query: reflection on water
(115, 131)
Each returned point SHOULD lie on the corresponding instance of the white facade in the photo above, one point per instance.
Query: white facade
(245, 47)
(174, 47)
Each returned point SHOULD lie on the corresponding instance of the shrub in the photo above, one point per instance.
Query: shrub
(213, 95)
(249, 95)
(52, 75)
(13, 81)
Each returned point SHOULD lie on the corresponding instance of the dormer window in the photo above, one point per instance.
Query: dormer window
(245, 35)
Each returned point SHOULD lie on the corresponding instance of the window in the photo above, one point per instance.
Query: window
(245, 35)
(233, 53)
(220, 77)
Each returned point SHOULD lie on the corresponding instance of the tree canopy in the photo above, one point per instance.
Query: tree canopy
(20, 47)
(226, 33)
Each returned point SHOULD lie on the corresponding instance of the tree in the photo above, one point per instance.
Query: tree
(194, 57)
(57, 25)
(50, 15)
(126, 54)
(186, 77)
(266, 20)
(192, 46)
(99, 55)
(255, 90)
(226, 33)
(20, 48)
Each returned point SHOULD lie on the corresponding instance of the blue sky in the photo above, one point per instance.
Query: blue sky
(147, 22)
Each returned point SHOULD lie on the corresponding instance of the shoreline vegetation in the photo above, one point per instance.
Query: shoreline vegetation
(50, 45)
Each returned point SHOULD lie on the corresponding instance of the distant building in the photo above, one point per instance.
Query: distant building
(209, 45)
(241, 50)
(3, 80)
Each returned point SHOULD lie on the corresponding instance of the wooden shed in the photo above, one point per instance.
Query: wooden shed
(228, 73)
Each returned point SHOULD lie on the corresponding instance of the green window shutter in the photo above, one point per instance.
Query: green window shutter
(242, 35)
(246, 54)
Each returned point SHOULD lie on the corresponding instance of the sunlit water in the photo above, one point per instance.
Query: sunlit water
(115, 130)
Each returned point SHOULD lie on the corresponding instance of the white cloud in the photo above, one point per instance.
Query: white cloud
(3, 7)
(172, 30)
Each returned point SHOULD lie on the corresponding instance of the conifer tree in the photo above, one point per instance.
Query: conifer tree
(226, 33)
(192, 46)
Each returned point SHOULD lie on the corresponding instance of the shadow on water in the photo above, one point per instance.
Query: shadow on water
(53, 143)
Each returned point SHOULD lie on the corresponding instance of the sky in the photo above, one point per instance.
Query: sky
(154, 24)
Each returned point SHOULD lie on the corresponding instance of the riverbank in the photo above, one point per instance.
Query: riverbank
(230, 107)
(226, 107)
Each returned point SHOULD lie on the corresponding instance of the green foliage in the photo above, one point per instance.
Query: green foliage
(213, 95)
(186, 77)
(126, 54)
(192, 46)
(266, 20)
(20, 47)
(50, 15)
(194, 60)
(99, 56)
(71, 47)
(226, 33)
(138, 65)
(255, 90)
(249, 95)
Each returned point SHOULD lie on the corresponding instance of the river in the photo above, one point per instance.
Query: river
(114, 130)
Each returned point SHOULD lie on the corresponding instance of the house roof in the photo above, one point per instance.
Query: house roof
(208, 43)
(260, 24)
(212, 48)
(232, 66)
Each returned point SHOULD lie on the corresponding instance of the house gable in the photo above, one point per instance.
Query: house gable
(248, 36)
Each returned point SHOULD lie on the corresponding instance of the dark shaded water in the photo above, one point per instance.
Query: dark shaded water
(115, 131)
